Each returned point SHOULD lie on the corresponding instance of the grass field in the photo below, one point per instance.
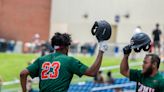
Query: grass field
(12, 64)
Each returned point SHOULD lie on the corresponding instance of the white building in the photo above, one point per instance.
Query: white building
(68, 16)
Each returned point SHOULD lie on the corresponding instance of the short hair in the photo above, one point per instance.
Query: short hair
(109, 73)
(155, 58)
(157, 24)
(99, 72)
(60, 39)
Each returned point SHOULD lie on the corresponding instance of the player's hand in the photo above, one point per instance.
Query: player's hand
(127, 50)
(103, 46)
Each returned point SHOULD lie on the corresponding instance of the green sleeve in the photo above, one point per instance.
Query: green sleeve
(134, 75)
(161, 85)
(34, 69)
(77, 67)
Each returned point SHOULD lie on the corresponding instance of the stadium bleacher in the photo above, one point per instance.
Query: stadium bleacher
(88, 86)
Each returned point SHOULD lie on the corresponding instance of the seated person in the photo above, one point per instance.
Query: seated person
(99, 78)
(110, 79)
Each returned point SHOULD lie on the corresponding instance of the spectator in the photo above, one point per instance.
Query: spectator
(99, 78)
(156, 38)
(29, 86)
(3, 45)
(116, 50)
(84, 49)
(36, 43)
(10, 46)
(29, 81)
(46, 48)
(137, 30)
(92, 48)
(118, 90)
(74, 47)
(110, 79)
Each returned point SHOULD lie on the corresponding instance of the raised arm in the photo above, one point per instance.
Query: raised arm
(94, 68)
(124, 66)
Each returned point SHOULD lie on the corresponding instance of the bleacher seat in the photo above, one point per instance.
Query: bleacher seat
(88, 85)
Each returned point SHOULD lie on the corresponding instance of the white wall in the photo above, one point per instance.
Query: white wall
(142, 12)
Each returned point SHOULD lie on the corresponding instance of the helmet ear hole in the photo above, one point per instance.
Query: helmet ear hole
(146, 48)
(137, 49)
(93, 30)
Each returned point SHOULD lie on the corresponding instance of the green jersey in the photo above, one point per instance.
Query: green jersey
(55, 71)
(147, 84)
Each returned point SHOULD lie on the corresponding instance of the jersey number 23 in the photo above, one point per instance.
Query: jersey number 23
(46, 73)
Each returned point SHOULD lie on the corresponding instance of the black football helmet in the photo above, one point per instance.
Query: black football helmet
(140, 41)
(102, 30)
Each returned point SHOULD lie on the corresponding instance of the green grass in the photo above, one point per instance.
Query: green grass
(12, 64)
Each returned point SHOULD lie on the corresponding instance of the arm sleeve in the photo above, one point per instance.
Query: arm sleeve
(77, 67)
(161, 85)
(134, 75)
(34, 69)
